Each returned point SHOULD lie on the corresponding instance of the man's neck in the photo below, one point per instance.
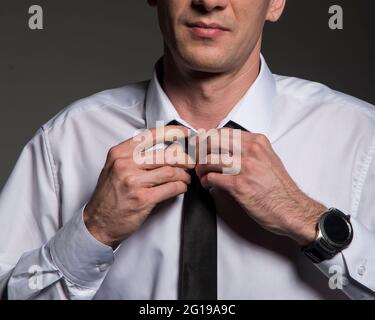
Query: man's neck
(204, 100)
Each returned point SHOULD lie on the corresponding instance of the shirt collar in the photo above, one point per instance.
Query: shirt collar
(253, 112)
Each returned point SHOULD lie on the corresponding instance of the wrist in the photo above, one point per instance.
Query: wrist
(96, 229)
(305, 227)
(334, 234)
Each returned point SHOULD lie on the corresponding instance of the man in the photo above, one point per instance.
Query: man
(81, 219)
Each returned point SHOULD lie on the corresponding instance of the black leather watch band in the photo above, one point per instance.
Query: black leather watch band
(318, 252)
(334, 233)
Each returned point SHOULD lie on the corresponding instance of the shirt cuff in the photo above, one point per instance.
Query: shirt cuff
(358, 259)
(81, 258)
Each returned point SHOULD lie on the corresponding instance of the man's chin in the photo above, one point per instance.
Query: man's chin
(206, 64)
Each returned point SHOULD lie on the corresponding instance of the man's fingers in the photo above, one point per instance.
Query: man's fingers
(167, 191)
(224, 140)
(150, 137)
(220, 163)
(144, 140)
(217, 180)
(163, 175)
(173, 155)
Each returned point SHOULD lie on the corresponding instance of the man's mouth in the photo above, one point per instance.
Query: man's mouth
(207, 30)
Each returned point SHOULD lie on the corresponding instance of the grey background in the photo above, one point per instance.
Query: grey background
(91, 45)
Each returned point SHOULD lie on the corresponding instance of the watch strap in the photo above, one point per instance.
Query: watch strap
(320, 250)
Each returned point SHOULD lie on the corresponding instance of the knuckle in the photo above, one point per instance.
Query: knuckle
(178, 187)
(185, 175)
(113, 153)
(137, 197)
(255, 148)
(261, 139)
(119, 165)
(182, 187)
(210, 177)
(130, 181)
(170, 158)
(174, 187)
(170, 172)
(199, 170)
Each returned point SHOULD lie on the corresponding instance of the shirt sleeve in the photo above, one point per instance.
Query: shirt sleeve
(353, 270)
(39, 258)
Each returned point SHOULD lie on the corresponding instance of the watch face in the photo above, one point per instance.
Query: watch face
(336, 229)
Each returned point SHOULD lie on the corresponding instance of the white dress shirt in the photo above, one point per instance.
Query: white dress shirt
(325, 139)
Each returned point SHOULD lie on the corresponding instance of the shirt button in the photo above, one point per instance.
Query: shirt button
(361, 270)
(102, 267)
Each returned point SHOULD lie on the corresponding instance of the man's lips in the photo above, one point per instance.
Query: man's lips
(207, 30)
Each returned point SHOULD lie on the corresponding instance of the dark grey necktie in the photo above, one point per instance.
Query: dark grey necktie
(198, 259)
(198, 255)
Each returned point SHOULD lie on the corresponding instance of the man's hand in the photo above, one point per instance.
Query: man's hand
(127, 190)
(263, 187)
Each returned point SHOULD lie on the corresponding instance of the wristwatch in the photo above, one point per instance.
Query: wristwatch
(334, 233)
